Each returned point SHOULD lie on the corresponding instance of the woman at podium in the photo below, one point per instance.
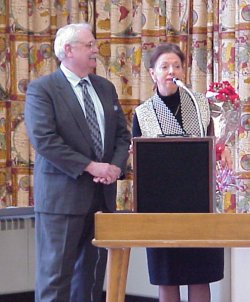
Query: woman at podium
(171, 111)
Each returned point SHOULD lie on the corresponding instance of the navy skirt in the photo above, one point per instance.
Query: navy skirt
(182, 266)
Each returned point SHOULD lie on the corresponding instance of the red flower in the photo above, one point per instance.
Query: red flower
(224, 92)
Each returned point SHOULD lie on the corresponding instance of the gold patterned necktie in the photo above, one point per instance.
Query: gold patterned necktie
(92, 120)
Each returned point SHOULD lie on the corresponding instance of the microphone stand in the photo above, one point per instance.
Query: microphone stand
(182, 85)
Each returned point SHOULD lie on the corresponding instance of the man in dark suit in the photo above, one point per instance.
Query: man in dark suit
(70, 182)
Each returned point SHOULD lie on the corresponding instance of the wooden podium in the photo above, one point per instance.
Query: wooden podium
(120, 232)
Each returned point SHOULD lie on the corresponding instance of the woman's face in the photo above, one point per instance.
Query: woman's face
(167, 67)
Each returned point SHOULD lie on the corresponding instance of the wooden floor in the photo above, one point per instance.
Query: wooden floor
(29, 297)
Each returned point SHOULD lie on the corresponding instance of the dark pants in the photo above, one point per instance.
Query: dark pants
(68, 266)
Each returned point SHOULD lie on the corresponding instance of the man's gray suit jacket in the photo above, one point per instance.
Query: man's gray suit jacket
(59, 133)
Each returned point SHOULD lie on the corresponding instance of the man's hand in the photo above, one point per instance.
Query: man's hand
(103, 172)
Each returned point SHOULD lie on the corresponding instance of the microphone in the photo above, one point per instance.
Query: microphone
(179, 83)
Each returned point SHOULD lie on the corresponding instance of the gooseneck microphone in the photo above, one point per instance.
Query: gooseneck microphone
(179, 83)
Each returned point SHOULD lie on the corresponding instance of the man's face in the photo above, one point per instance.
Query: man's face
(82, 53)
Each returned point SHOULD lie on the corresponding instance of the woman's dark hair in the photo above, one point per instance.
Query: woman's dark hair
(166, 48)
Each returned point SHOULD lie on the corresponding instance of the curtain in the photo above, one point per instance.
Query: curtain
(214, 35)
(27, 30)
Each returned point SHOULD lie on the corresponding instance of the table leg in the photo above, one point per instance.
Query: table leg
(117, 270)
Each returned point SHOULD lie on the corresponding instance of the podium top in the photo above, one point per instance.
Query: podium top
(175, 138)
(171, 230)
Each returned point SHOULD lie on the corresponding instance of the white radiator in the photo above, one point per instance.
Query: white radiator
(16, 253)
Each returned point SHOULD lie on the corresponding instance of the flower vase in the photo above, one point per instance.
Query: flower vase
(219, 202)
(229, 202)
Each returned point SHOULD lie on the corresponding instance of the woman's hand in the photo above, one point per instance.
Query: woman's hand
(226, 158)
(130, 150)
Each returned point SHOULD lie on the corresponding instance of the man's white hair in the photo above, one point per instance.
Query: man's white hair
(67, 35)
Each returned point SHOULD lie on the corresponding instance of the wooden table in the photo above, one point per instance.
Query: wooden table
(120, 232)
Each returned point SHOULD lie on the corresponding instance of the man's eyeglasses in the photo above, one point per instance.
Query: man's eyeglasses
(91, 45)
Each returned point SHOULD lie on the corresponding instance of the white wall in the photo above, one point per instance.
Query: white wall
(240, 266)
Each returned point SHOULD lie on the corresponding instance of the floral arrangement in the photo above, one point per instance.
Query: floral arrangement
(227, 184)
(226, 180)
(223, 92)
(225, 111)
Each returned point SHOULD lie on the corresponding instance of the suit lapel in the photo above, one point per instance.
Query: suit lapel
(67, 94)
